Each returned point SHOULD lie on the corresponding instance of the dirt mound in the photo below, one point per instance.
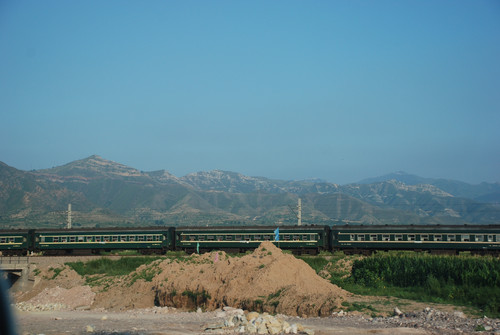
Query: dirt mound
(266, 280)
(78, 296)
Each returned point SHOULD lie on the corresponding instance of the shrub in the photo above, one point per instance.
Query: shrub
(466, 280)
(106, 266)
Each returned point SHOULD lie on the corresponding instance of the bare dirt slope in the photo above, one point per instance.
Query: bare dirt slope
(266, 280)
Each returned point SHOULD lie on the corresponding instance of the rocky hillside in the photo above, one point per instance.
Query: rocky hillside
(103, 193)
(483, 192)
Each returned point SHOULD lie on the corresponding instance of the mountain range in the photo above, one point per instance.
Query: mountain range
(107, 193)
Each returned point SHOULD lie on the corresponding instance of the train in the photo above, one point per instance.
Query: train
(307, 239)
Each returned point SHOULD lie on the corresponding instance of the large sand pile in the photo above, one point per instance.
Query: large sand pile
(265, 280)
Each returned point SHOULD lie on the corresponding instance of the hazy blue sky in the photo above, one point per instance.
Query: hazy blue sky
(338, 90)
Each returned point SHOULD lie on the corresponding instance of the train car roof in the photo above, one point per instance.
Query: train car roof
(252, 228)
(110, 229)
(405, 228)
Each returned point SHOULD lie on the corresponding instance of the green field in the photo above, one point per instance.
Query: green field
(459, 280)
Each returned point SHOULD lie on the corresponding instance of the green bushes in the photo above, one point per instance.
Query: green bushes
(122, 266)
(317, 262)
(413, 270)
(468, 280)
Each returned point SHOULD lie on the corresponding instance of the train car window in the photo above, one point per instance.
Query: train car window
(3, 240)
(452, 238)
(114, 238)
(131, 238)
(191, 237)
(229, 237)
(238, 238)
(479, 238)
(149, 238)
(361, 237)
(498, 238)
(220, 238)
(465, 238)
(411, 237)
(398, 237)
(386, 237)
(296, 237)
(210, 237)
(267, 237)
(72, 239)
(424, 237)
(89, 238)
(373, 237)
(123, 238)
(55, 239)
(490, 238)
(201, 238)
(305, 238)
(106, 238)
(286, 237)
(438, 237)
(11, 240)
(247, 237)
(140, 238)
(257, 237)
(98, 238)
(81, 238)
(352, 237)
(64, 239)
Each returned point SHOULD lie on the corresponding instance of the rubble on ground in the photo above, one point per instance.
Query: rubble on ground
(236, 320)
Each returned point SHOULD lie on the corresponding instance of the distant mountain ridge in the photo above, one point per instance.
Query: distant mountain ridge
(104, 192)
(484, 192)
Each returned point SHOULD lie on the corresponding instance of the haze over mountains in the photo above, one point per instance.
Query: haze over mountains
(106, 193)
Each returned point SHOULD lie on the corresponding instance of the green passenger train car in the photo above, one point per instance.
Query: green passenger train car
(15, 242)
(300, 239)
(145, 240)
(479, 239)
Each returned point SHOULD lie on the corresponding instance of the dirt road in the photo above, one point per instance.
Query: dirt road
(177, 323)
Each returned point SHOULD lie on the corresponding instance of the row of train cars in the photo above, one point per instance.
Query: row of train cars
(310, 239)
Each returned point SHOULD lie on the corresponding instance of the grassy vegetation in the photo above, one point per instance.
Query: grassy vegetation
(56, 272)
(317, 263)
(464, 280)
(470, 281)
(360, 307)
(109, 267)
(275, 294)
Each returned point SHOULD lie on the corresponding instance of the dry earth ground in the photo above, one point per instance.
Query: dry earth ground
(60, 302)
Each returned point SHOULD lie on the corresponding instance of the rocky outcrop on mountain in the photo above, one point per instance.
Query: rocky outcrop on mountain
(232, 182)
(92, 167)
(483, 192)
(104, 192)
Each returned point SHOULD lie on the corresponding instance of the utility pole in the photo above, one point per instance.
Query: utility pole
(299, 215)
(69, 216)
